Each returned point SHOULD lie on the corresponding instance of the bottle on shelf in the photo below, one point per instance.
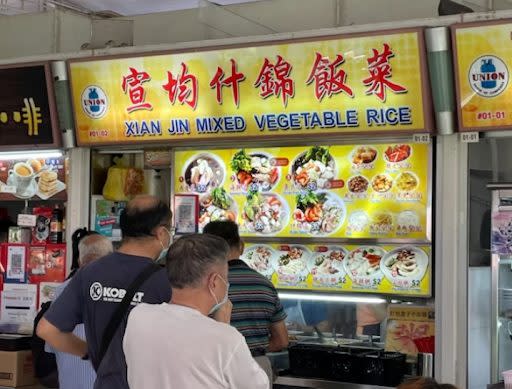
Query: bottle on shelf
(56, 225)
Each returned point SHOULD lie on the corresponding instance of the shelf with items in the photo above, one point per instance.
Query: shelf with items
(33, 197)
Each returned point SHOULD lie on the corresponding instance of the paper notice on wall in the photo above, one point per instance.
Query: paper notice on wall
(47, 291)
(16, 263)
(18, 307)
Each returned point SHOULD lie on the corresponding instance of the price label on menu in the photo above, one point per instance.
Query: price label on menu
(469, 137)
(421, 138)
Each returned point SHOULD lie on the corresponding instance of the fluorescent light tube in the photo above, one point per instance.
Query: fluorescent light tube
(331, 298)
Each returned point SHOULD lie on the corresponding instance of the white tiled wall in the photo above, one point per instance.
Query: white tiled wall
(479, 327)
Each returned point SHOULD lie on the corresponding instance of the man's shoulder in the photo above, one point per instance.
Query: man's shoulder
(225, 332)
(144, 309)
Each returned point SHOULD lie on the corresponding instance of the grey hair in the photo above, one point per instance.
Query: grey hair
(93, 247)
(191, 257)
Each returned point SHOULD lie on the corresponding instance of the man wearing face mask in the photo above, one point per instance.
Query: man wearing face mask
(257, 310)
(95, 293)
(182, 347)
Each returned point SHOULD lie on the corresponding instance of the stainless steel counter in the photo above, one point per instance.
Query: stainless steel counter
(321, 384)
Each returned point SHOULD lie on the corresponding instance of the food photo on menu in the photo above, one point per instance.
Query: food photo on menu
(203, 173)
(292, 266)
(354, 191)
(262, 258)
(314, 168)
(363, 155)
(216, 206)
(318, 213)
(385, 269)
(34, 177)
(326, 266)
(254, 171)
(264, 213)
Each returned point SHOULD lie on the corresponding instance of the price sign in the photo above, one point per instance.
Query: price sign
(8, 189)
(421, 138)
(25, 220)
(469, 137)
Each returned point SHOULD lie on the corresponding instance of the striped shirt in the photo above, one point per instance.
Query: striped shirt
(74, 373)
(256, 305)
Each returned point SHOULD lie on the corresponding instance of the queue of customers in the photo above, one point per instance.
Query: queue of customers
(205, 320)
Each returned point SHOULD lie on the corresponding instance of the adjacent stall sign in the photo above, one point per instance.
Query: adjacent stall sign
(483, 64)
(27, 112)
(354, 84)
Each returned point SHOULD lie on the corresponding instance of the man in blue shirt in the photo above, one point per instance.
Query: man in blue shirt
(73, 372)
(94, 293)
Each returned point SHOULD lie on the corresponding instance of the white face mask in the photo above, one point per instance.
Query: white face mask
(163, 254)
(218, 303)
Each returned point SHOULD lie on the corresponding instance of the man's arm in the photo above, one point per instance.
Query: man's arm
(59, 340)
(278, 336)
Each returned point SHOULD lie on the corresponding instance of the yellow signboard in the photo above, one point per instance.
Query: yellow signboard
(483, 65)
(344, 268)
(373, 191)
(353, 84)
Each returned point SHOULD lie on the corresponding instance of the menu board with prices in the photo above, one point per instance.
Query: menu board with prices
(378, 191)
(387, 269)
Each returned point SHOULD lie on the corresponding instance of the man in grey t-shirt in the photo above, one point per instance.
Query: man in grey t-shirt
(94, 293)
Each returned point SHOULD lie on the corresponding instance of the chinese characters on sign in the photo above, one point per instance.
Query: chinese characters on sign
(380, 74)
(232, 81)
(133, 85)
(25, 107)
(374, 83)
(30, 115)
(274, 79)
(182, 87)
(328, 80)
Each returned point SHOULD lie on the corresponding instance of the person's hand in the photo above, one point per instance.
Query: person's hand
(223, 314)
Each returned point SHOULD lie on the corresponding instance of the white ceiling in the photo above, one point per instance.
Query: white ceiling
(121, 7)
(139, 7)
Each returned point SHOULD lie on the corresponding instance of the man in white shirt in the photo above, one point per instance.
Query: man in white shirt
(177, 345)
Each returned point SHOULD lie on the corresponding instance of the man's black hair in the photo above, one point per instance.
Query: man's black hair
(77, 236)
(227, 230)
(140, 223)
